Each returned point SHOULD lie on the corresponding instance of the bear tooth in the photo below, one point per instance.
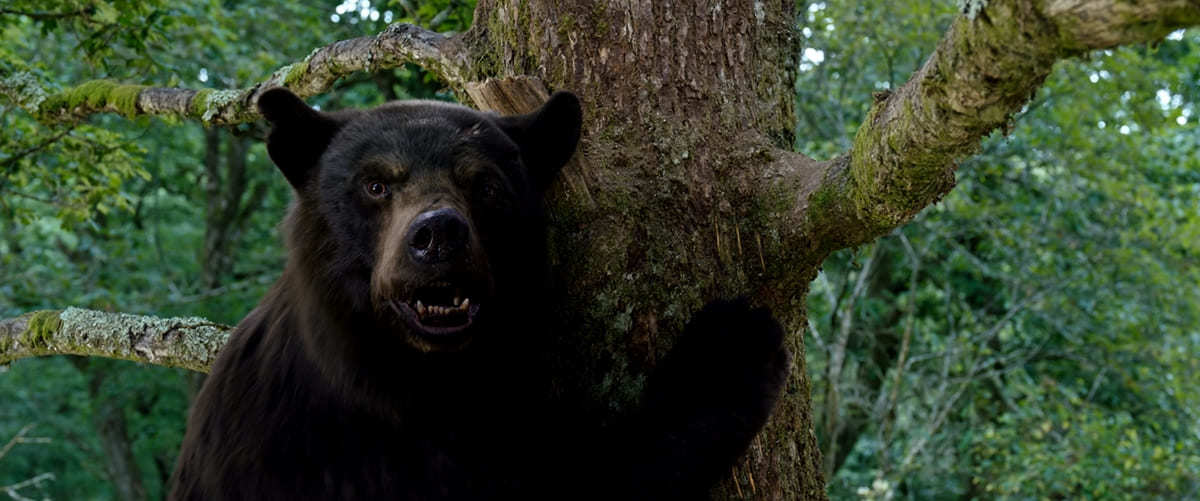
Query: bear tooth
(466, 303)
(457, 300)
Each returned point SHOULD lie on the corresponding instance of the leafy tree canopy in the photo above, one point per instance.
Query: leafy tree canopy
(1031, 336)
(1050, 302)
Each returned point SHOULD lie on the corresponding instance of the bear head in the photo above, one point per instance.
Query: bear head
(419, 219)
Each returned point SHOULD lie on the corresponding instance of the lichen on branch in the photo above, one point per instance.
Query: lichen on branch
(186, 342)
(445, 57)
(984, 69)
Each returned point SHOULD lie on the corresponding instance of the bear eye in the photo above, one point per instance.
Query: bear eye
(376, 189)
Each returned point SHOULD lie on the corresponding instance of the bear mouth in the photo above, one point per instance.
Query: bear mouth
(439, 310)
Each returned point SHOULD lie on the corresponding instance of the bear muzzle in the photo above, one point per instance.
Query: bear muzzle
(432, 279)
(443, 311)
(437, 236)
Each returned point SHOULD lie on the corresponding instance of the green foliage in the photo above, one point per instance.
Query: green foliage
(1068, 449)
(1051, 299)
(113, 214)
(75, 169)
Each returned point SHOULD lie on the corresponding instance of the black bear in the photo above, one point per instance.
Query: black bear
(401, 354)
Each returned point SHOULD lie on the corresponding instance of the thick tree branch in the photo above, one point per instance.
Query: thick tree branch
(446, 57)
(187, 342)
(982, 72)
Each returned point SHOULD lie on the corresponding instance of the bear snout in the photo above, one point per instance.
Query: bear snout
(437, 236)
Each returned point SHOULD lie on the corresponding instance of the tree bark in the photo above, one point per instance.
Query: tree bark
(395, 46)
(185, 342)
(685, 188)
(686, 104)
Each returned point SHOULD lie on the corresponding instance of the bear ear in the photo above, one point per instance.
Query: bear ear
(547, 137)
(299, 134)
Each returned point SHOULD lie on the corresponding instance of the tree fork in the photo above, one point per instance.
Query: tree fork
(684, 104)
(689, 122)
(982, 72)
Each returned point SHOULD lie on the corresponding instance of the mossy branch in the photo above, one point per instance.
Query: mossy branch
(983, 71)
(187, 342)
(400, 43)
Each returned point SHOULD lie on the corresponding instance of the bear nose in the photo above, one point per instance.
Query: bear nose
(437, 235)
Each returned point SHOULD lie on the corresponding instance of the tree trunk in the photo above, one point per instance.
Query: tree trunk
(685, 102)
(230, 199)
(122, 469)
(685, 188)
(108, 417)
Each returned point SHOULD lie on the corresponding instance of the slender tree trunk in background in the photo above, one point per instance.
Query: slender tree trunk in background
(229, 200)
(845, 422)
(685, 101)
(685, 188)
(119, 463)
(831, 418)
(108, 418)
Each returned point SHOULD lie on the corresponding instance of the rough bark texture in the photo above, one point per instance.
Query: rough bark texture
(684, 189)
(686, 104)
(395, 46)
(187, 342)
(983, 70)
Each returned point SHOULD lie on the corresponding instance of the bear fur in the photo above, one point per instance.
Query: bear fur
(400, 355)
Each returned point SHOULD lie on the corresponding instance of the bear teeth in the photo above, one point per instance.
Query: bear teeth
(460, 306)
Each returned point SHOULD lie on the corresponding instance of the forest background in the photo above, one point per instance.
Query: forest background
(1032, 336)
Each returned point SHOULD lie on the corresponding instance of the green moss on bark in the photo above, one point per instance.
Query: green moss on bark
(199, 103)
(295, 72)
(505, 34)
(600, 16)
(102, 95)
(91, 93)
(40, 329)
(566, 26)
(124, 98)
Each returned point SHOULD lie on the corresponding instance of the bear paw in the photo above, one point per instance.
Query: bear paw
(730, 355)
(708, 399)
